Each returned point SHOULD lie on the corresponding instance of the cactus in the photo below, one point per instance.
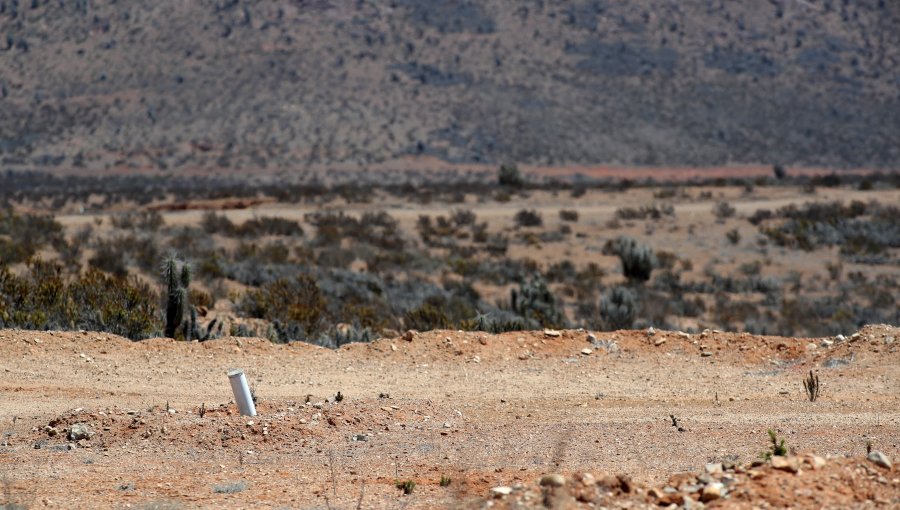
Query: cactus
(177, 281)
(536, 303)
(618, 308)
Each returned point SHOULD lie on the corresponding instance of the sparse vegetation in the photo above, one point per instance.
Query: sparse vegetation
(776, 448)
(407, 486)
(812, 386)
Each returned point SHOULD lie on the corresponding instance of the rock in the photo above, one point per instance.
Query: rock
(586, 351)
(712, 492)
(671, 498)
(552, 333)
(51, 431)
(880, 459)
(827, 343)
(409, 335)
(499, 492)
(839, 338)
(659, 341)
(705, 354)
(682, 334)
(553, 480)
(690, 504)
(789, 464)
(714, 468)
(651, 331)
(591, 338)
(79, 431)
(817, 462)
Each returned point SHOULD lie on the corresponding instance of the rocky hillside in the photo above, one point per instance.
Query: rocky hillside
(288, 84)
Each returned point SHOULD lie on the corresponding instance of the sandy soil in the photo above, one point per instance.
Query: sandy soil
(482, 411)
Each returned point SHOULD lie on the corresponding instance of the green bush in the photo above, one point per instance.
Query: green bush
(294, 302)
(42, 299)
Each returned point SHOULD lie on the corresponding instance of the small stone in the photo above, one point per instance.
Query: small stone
(651, 331)
(591, 338)
(789, 464)
(714, 468)
(409, 335)
(880, 459)
(553, 480)
(682, 334)
(393, 347)
(827, 343)
(705, 354)
(839, 338)
(79, 431)
(501, 491)
(659, 341)
(711, 492)
(552, 333)
(817, 462)
(671, 498)
(586, 351)
(51, 431)
(447, 425)
(690, 504)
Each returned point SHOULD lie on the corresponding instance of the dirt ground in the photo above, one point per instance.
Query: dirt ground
(517, 420)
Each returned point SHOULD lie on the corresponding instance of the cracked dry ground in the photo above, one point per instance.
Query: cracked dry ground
(483, 411)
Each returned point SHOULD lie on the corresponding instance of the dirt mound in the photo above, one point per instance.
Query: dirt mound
(638, 419)
(806, 481)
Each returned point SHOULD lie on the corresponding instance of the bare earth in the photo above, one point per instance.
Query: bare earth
(484, 411)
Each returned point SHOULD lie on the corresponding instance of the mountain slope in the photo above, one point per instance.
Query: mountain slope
(283, 84)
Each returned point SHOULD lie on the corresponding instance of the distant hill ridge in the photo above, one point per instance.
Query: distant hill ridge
(274, 85)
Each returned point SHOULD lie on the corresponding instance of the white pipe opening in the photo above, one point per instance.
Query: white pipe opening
(241, 392)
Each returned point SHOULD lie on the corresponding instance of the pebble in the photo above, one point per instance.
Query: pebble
(705, 354)
(880, 459)
(789, 464)
(817, 462)
(714, 468)
(591, 338)
(79, 431)
(552, 333)
(586, 351)
(711, 492)
(501, 491)
(651, 331)
(659, 342)
(553, 480)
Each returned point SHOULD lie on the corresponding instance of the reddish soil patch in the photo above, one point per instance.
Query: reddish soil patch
(474, 410)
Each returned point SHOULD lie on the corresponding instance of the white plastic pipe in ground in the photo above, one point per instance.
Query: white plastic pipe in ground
(241, 392)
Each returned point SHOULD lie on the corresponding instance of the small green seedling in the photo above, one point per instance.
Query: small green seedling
(407, 486)
(776, 449)
(445, 481)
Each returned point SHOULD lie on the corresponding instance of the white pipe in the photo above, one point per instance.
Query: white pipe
(241, 392)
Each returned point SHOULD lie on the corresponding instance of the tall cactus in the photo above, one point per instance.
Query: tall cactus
(177, 282)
